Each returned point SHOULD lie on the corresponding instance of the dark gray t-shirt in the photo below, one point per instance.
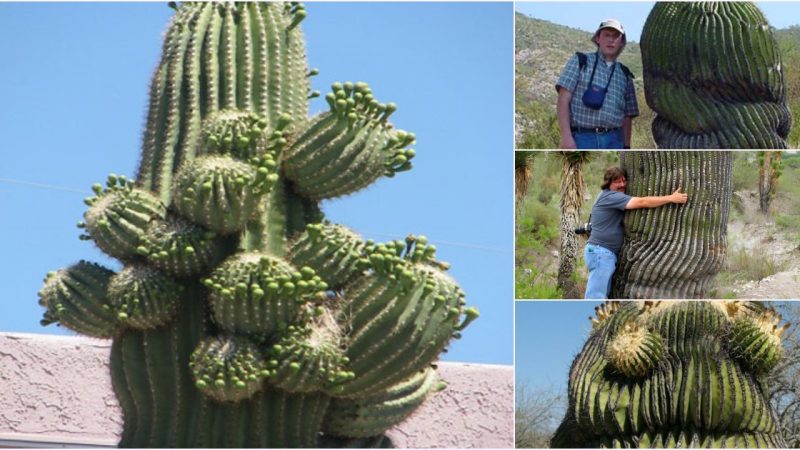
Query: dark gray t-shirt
(607, 214)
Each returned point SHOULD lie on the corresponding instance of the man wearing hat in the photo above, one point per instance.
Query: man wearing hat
(596, 97)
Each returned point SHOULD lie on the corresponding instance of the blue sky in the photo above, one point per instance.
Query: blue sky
(633, 14)
(73, 85)
(548, 336)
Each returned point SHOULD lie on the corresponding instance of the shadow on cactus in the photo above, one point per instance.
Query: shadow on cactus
(242, 318)
(675, 374)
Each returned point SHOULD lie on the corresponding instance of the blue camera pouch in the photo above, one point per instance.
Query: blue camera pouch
(595, 95)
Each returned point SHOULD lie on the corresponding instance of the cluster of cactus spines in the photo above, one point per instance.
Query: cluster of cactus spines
(241, 318)
(634, 351)
(713, 75)
(181, 248)
(676, 250)
(118, 216)
(227, 368)
(143, 297)
(349, 147)
(693, 376)
(76, 298)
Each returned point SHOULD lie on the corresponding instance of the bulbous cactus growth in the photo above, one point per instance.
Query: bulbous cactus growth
(712, 73)
(242, 318)
(675, 251)
(675, 374)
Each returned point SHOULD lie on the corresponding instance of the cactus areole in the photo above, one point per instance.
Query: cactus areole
(242, 318)
(675, 375)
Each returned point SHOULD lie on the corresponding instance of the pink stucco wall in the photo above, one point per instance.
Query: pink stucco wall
(57, 389)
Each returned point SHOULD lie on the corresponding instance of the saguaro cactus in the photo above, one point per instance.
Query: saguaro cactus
(713, 75)
(675, 251)
(241, 317)
(673, 375)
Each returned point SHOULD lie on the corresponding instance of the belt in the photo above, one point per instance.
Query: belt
(596, 130)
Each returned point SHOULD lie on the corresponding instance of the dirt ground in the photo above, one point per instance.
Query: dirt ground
(762, 236)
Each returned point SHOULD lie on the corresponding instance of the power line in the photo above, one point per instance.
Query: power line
(43, 186)
(391, 236)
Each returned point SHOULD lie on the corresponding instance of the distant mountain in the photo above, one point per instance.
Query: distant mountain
(542, 49)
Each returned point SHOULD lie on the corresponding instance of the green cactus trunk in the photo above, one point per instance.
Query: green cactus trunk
(713, 75)
(242, 319)
(674, 251)
(674, 374)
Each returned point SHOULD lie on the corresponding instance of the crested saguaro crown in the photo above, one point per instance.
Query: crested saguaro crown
(675, 375)
(241, 317)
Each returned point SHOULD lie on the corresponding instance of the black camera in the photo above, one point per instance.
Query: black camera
(584, 229)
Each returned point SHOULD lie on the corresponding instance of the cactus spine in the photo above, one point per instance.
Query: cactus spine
(692, 377)
(713, 75)
(242, 319)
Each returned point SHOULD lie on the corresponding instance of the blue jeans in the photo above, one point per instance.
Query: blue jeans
(601, 263)
(591, 140)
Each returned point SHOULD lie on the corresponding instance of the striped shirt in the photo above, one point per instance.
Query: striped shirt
(620, 101)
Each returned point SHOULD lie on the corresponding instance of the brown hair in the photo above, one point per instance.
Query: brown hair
(612, 174)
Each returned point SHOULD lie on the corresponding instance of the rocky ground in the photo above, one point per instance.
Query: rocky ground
(762, 238)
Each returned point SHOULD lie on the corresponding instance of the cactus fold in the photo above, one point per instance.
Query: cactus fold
(693, 377)
(371, 415)
(713, 75)
(674, 251)
(241, 319)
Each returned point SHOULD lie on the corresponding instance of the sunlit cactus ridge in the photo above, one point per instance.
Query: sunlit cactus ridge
(675, 374)
(242, 318)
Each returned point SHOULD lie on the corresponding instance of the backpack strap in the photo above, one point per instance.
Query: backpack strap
(581, 60)
(582, 64)
(626, 71)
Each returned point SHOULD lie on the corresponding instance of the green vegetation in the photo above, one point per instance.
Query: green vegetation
(538, 221)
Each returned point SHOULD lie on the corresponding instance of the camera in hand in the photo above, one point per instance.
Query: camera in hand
(586, 228)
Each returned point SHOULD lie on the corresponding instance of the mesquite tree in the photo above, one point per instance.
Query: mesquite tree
(713, 75)
(241, 317)
(674, 251)
(675, 375)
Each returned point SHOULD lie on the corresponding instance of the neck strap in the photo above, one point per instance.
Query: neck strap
(594, 67)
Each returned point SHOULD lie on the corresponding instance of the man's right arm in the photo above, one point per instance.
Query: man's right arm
(655, 202)
(562, 111)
